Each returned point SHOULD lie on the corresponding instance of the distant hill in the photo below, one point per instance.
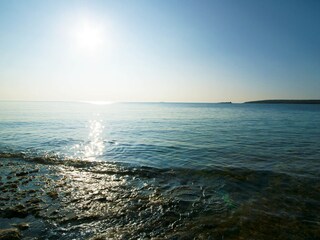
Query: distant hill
(287, 101)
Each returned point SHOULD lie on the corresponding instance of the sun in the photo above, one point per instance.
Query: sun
(88, 35)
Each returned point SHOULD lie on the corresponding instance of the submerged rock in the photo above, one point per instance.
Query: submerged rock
(21, 226)
(18, 211)
(53, 194)
(99, 237)
(19, 174)
(10, 234)
(34, 201)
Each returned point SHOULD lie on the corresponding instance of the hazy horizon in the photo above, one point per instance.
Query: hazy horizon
(159, 51)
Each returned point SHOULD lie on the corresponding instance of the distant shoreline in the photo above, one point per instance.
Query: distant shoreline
(275, 101)
(286, 101)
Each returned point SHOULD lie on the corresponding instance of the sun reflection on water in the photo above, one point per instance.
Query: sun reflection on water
(94, 146)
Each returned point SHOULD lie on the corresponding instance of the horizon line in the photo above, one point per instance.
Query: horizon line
(166, 102)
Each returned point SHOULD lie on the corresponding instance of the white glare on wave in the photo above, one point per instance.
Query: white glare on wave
(94, 147)
(98, 102)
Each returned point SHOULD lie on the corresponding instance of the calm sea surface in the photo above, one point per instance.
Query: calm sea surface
(162, 170)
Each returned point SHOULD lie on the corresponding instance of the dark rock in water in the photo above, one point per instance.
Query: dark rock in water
(10, 234)
(53, 194)
(34, 201)
(34, 170)
(52, 210)
(101, 199)
(21, 174)
(35, 210)
(100, 237)
(4, 198)
(18, 211)
(13, 185)
(21, 226)
(69, 217)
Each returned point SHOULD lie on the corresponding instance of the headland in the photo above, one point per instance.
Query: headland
(286, 101)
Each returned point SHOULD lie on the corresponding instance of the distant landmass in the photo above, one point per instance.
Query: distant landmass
(283, 101)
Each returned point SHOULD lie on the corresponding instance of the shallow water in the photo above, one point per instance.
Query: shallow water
(175, 171)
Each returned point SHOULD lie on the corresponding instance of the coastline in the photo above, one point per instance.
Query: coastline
(284, 101)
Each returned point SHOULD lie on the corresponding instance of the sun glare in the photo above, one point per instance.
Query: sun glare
(89, 36)
(98, 102)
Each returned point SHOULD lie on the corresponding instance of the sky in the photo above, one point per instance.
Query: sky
(159, 50)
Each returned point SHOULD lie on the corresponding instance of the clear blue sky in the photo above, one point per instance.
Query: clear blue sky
(164, 50)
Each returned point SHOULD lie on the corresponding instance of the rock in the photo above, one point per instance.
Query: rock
(34, 201)
(99, 237)
(32, 191)
(52, 210)
(21, 226)
(53, 194)
(10, 234)
(21, 174)
(18, 211)
(6, 198)
(25, 182)
(13, 185)
(34, 171)
(35, 210)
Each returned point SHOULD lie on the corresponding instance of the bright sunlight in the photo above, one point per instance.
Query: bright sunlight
(88, 35)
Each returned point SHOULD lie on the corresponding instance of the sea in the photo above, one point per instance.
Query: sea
(100, 170)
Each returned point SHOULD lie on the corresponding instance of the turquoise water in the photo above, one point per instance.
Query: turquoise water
(238, 164)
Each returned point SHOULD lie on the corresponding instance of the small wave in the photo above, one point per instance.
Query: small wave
(46, 158)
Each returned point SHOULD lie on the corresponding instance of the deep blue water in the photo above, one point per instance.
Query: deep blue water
(161, 170)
